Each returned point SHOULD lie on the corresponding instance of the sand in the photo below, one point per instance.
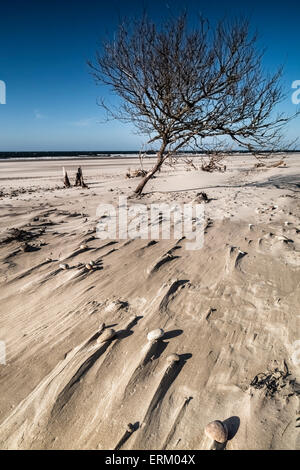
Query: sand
(230, 311)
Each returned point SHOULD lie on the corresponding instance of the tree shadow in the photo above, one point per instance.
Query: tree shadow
(291, 182)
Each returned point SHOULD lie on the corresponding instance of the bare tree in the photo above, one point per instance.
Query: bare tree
(182, 86)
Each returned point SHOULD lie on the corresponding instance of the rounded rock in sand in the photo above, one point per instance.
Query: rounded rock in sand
(89, 266)
(155, 334)
(217, 431)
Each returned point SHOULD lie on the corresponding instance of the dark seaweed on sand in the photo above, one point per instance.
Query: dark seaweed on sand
(276, 380)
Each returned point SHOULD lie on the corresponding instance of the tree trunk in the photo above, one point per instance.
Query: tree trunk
(156, 168)
(78, 177)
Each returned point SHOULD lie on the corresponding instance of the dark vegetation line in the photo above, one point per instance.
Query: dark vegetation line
(105, 154)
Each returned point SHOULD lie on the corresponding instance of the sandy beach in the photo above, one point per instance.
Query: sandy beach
(229, 310)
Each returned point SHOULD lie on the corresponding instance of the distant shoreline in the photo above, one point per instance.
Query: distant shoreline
(69, 155)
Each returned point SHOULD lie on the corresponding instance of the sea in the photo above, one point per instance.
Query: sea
(72, 155)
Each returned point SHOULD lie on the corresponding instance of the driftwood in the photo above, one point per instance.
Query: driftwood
(66, 179)
(189, 163)
(135, 173)
(281, 163)
(213, 165)
(79, 179)
(202, 197)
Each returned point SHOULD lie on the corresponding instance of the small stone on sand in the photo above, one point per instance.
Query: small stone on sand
(172, 358)
(64, 266)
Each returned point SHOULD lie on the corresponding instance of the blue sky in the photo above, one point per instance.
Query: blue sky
(51, 97)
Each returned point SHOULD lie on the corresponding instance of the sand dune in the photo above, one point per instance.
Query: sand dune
(230, 311)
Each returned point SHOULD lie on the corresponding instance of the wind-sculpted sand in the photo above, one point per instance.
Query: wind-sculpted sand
(84, 368)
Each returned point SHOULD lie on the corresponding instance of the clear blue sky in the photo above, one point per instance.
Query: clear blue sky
(51, 98)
